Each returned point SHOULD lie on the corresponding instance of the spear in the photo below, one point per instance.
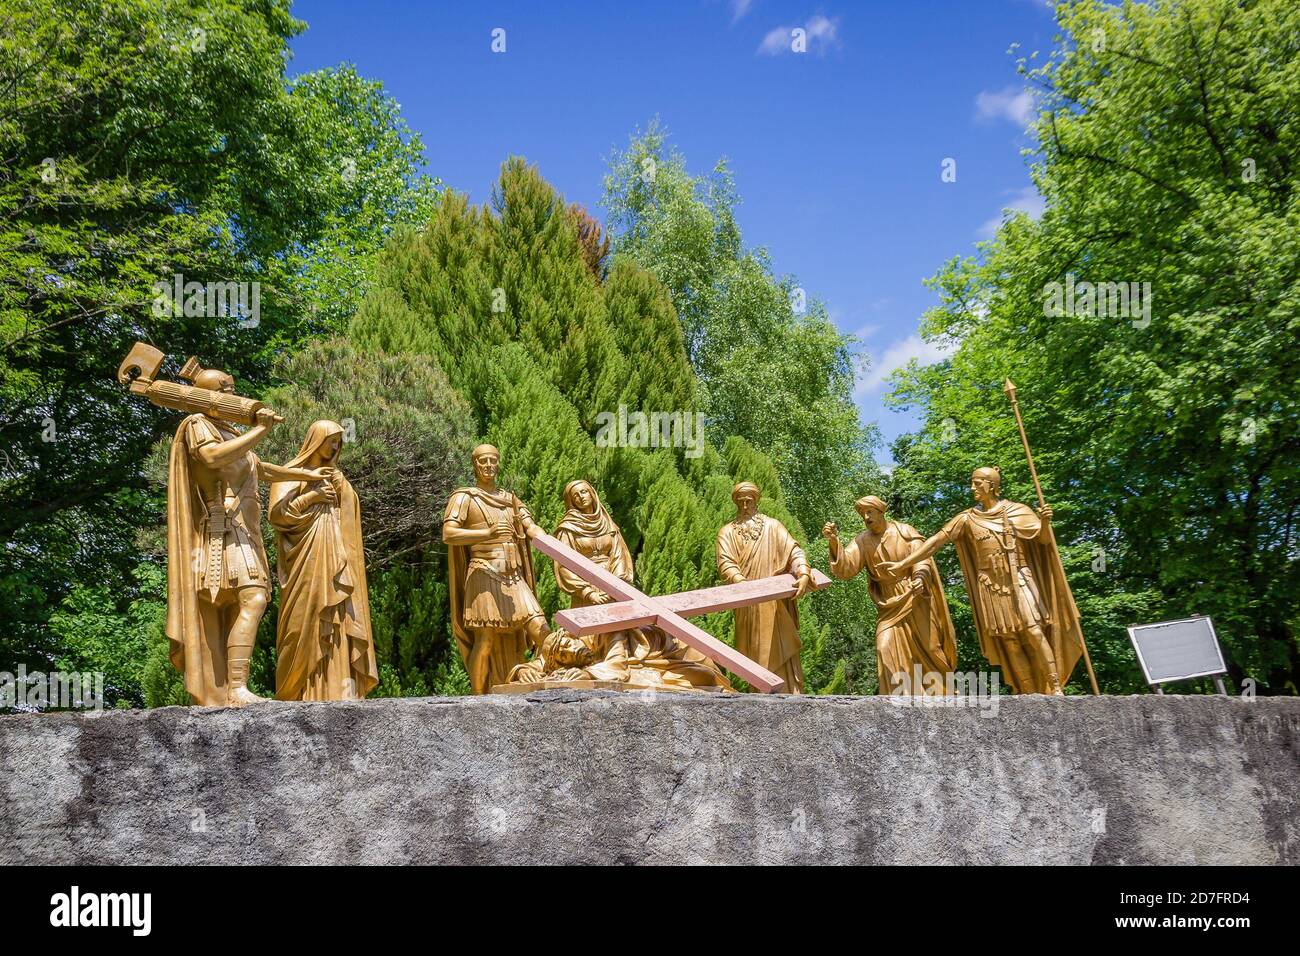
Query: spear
(1010, 388)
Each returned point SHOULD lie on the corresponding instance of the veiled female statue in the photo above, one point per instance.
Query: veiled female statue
(642, 656)
(324, 646)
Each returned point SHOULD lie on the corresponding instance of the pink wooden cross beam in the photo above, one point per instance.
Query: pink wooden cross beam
(669, 613)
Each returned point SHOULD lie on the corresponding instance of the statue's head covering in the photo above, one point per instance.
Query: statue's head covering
(317, 435)
(872, 503)
(745, 487)
(591, 523)
(213, 379)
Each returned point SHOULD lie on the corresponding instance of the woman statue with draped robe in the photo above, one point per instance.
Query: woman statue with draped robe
(641, 656)
(324, 646)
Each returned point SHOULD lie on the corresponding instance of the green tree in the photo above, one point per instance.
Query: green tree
(139, 141)
(369, 164)
(540, 343)
(1168, 440)
(96, 637)
(771, 365)
(407, 434)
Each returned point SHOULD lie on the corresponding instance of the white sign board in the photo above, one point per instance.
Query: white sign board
(1177, 650)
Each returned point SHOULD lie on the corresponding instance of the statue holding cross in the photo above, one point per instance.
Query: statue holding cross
(493, 570)
(631, 609)
(633, 658)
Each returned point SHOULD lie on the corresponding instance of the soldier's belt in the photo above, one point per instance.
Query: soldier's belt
(216, 546)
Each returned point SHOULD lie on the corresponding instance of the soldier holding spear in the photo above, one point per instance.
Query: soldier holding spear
(1024, 612)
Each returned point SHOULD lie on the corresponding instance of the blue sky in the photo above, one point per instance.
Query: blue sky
(836, 151)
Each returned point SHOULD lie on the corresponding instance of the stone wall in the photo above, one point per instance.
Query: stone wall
(599, 777)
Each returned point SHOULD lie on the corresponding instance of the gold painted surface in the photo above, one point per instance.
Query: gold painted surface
(494, 611)
(753, 546)
(325, 649)
(218, 578)
(1015, 582)
(636, 657)
(914, 631)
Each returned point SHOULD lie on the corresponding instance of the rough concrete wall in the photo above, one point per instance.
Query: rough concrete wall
(606, 778)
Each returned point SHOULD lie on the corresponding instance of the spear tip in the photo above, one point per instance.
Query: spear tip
(1009, 387)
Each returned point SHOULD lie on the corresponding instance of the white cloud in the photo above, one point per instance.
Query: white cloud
(776, 41)
(1016, 105)
(821, 34)
(739, 8)
(1027, 200)
(823, 28)
(898, 355)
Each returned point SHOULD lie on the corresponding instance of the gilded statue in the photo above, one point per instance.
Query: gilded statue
(325, 649)
(218, 579)
(642, 656)
(756, 545)
(495, 615)
(1024, 613)
(916, 646)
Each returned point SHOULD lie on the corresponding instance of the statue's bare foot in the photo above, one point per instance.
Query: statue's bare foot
(239, 696)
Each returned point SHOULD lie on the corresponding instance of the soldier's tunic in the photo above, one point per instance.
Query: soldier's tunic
(491, 582)
(497, 592)
(1006, 590)
(232, 554)
(1015, 581)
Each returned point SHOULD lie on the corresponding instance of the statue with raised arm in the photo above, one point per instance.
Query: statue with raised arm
(1024, 613)
(755, 546)
(916, 646)
(218, 580)
(495, 616)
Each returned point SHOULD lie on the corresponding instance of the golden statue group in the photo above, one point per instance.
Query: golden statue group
(218, 576)
(612, 635)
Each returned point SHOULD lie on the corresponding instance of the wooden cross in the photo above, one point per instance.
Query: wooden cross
(668, 613)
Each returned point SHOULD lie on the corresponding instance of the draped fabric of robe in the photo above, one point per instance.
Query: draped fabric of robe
(325, 649)
(766, 633)
(644, 656)
(914, 632)
(1003, 601)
